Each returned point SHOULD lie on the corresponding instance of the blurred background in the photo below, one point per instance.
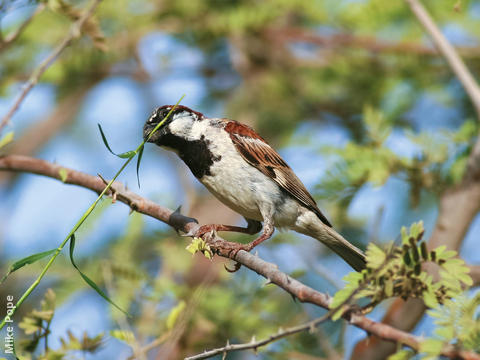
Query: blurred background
(352, 94)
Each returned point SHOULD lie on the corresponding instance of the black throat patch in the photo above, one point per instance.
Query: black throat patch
(194, 153)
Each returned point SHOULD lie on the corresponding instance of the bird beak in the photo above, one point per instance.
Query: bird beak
(147, 129)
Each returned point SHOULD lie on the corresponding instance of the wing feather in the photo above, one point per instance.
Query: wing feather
(259, 154)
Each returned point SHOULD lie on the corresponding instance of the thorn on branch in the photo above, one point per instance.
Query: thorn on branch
(113, 192)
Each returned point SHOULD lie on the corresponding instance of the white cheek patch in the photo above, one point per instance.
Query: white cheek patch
(181, 125)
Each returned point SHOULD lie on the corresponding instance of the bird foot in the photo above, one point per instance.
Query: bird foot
(226, 248)
(202, 230)
(231, 250)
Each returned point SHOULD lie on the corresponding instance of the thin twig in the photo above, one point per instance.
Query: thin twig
(11, 37)
(185, 224)
(372, 44)
(75, 31)
(309, 326)
(448, 52)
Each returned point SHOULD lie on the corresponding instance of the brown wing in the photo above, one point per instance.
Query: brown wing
(258, 153)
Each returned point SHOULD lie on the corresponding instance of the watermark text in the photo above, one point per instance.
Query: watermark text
(9, 347)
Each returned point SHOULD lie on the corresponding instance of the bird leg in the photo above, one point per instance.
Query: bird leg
(234, 248)
(268, 230)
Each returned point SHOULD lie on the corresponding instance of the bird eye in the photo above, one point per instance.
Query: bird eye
(165, 112)
(152, 117)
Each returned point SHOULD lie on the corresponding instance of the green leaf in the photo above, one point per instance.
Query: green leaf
(139, 159)
(45, 315)
(457, 170)
(353, 280)
(445, 332)
(430, 299)
(375, 256)
(389, 288)
(125, 155)
(26, 261)
(125, 336)
(378, 127)
(174, 314)
(30, 325)
(338, 314)
(90, 281)
(402, 355)
(444, 254)
(416, 231)
(6, 139)
(105, 139)
(466, 132)
(431, 346)
(63, 174)
(403, 233)
(199, 245)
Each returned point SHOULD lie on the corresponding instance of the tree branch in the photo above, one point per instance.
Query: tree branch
(75, 31)
(185, 224)
(39, 133)
(10, 38)
(367, 43)
(254, 345)
(448, 52)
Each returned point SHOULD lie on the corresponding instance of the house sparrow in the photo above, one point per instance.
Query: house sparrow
(245, 173)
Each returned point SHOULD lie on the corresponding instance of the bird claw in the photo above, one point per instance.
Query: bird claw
(236, 267)
(233, 253)
(232, 249)
(200, 232)
(235, 248)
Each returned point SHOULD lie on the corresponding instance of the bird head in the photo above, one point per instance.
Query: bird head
(179, 123)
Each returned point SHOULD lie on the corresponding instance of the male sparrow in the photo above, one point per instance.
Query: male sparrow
(246, 174)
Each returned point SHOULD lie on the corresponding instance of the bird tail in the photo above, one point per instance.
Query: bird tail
(336, 242)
